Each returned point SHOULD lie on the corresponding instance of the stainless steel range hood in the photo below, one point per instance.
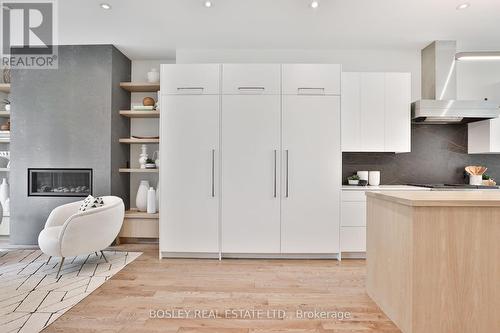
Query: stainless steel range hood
(439, 104)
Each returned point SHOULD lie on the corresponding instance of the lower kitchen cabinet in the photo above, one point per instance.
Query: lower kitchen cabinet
(353, 239)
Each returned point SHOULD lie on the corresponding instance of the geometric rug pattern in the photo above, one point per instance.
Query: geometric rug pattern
(31, 297)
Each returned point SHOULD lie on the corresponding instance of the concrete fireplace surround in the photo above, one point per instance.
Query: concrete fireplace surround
(68, 118)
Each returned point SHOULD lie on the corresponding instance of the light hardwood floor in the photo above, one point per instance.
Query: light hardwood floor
(123, 304)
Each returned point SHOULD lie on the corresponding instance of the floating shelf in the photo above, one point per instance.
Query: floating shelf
(4, 114)
(5, 87)
(5, 140)
(134, 214)
(4, 170)
(128, 170)
(140, 86)
(132, 140)
(140, 114)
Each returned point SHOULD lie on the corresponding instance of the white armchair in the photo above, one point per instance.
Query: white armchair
(69, 232)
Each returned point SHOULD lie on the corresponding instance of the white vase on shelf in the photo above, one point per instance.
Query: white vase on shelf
(151, 209)
(153, 76)
(6, 207)
(143, 157)
(158, 196)
(4, 191)
(141, 199)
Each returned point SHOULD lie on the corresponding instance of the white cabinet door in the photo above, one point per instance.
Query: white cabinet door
(251, 168)
(351, 111)
(189, 173)
(397, 112)
(353, 214)
(311, 79)
(311, 174)
(353, 239)
(372, 111)
(190, 79)
(252, 79)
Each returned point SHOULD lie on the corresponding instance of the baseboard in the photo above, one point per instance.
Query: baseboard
(188, 255)
(353, 255)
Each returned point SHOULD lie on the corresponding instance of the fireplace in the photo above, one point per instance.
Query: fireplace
(59, 182)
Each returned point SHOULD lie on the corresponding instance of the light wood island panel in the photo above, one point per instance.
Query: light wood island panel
(433, 260)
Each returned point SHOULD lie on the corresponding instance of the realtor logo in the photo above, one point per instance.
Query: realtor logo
(28, 34)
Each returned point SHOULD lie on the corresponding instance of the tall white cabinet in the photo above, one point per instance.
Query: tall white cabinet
(376, 114)
(190, 152)
(252, 167)
(251, 120)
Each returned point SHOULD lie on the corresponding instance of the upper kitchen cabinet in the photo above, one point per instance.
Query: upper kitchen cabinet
(484, 137)
(311, 79)
(196, 79)
(376, 112)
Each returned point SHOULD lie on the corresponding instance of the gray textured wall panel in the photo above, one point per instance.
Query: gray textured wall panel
(60, 119)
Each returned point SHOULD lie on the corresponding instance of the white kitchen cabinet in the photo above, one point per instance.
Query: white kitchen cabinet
(353, 239)
(397, 128)
(372, 112)
(376, 112)
(484, 137)
(187, 79)
(251, 168)
(311, 79)
(311, 174)
(251, 79)
(189, 153)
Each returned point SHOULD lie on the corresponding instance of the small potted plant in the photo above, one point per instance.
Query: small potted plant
(150, 164)
(353, 180)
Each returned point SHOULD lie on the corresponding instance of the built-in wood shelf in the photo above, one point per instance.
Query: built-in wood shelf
(7, 140)
(135, 214)
(140, 114)
(4, 170)
(128, 170)
(140, 86)
(5, 87)
(4, 114)
(133, 140)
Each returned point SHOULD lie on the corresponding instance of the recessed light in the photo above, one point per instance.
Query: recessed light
(105, 6)
(314, 4)
(463, 6)
(208, 4)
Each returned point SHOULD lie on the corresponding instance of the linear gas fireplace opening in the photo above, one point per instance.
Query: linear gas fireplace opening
(59, 182)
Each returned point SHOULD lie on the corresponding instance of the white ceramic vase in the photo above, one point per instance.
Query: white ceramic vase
(158, 196)
(151, 201)
(153, 76)
(374, 178)
(143, 157)
(141, 199)
(6, 207)
(4, 191)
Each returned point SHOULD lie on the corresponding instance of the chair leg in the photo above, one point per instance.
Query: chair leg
(60, 266)
(106, 259)
(48, 260)
(96, 254)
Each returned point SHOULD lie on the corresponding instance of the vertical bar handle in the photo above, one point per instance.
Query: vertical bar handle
(213, 173)
(275, 172)
(286, 179)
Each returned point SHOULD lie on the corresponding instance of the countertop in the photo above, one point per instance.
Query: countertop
(440, 198)
(383, 188)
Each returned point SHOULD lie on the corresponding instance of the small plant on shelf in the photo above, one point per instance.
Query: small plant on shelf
(353, 180)
(150, 164)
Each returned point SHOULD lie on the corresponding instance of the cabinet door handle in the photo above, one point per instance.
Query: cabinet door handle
(275, 172)
(286, 179)
(261, 89)
(311, 91)
(213, 173)
(191, 90)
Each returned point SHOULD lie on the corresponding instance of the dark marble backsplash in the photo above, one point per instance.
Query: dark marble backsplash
(438, 155)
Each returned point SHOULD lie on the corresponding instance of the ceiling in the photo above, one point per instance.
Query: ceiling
(154, 29)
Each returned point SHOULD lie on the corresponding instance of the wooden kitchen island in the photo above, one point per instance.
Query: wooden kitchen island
(433, 259)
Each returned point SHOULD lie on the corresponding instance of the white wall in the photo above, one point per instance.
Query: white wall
(397, 60)
(149, 127)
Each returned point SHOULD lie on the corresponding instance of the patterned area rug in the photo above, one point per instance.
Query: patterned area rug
(31, 297)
